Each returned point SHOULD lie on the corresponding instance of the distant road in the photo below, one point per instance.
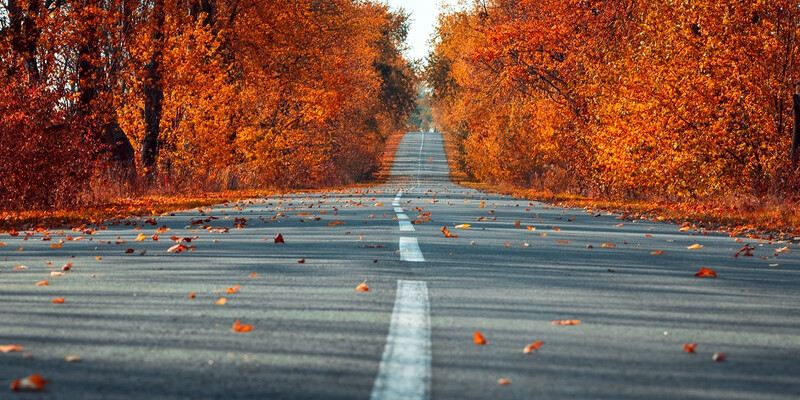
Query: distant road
(130, 318)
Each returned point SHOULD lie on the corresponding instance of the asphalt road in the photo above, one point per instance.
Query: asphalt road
(130, 319)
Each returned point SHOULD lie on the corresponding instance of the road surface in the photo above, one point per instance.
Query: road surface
(130, 318)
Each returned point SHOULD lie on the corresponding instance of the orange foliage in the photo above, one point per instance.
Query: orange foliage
(681, 100)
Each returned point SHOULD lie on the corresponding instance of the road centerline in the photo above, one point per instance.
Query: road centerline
(409, 250)
(405, 368)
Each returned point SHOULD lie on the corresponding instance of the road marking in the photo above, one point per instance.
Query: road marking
(419, 157)
(398, 210)
(402, 216)
(396, 203)
(405, 369)
(405, 226)
(409, 250)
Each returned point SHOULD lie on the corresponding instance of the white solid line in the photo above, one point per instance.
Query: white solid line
(409, 250)
(402, 216)
(405, 226)
(398, 210)
(405, 369)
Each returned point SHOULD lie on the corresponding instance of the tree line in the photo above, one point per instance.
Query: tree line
(678, 100)
(211, 93)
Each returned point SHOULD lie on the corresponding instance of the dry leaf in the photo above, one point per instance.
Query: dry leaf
(57, 245)
(73, 359)
(695, 246)
(504, 381)
(301, 261)
(362, 287)
(746, 251)
(140, 238)
(718, 357)
(479, 339)
(221, 301)
(42, 283)
(608, 245)
(336, 222)
(178, 248)
(566, 322)
(517, 223)
(706, 272)
(33, 383)
(240, 327)
(689, 347)
(7, 348)
(234, 289)
(565, 242)
(530, 228)
(66, 267)
(58, 300)
(532, 347)
(254, 275)
(192, 295)
(657, 252)
(447, 233)
(463, 226)
(278, 239)
(20, 267)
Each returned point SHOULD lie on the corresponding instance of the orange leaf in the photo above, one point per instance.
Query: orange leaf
(7, 348)
(221, 301)
(334, 223)
(532, 347)
(447, 233)
(689, 347)
(695, 246)
(566, 322)
(58, 300)
(178, 248)
(657, 252)
(240, 327)
(234, 289)
(479, 339)
(608, 245)
(463, 226)
(706, 272)
(57, 245)
(517, 224)
(530, 228)
(279, 239)
(33, 383)
(254, 275)
(565, 242)
(362, 287)
(191, 295)
(42, 283)
(504, 381)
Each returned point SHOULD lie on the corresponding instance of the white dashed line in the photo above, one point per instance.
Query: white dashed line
(405, 226)
(405, 369)
(398, 210)
(402, 216)
(409, 250)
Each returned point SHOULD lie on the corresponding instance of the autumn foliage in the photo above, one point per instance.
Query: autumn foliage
(624, 98)
(216, 94)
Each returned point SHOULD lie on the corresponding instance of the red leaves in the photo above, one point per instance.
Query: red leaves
(33, 383)
(58, 300)
(278, 239)
(532, 347)
(705, 272)
(362, 287)
(179, 248)
(746, 251)
(689, 347)
(479, 339)
(566, 322)
(447, 233)
(240, 327)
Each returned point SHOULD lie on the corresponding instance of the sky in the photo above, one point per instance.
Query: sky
(423, 18)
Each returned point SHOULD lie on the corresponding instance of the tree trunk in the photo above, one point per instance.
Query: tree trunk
(795, 154)
(153, 94)
(25, 35)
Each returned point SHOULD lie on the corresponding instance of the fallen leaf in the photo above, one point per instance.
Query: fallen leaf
(447, 233)
(140, 238)
(782, 250)
(463, 226)
(221, 301)
(58, 300)
(695, 246)
(129, 251)
(279, 239)
(706, 272)
(57, 245)
(301, 261)
(517, 223)
(42, 283)
(566, 322)
(336, 222)
(718, 357)
(233, 289)
(192, 295)
(66, 267)
(378, 204)
(746, 251)
(689, 347)
(240, 327)
(73, 359)
(504, 381)
(254, 275)
(565, 242)
(532, 347)
(362, 287)
(608, 245)
(479, 339)
(684, 229)
(33, 383)
(8, 348)
(56, 273)
(657, 252)
(20, 267)
(178, 248)
(530, 228)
